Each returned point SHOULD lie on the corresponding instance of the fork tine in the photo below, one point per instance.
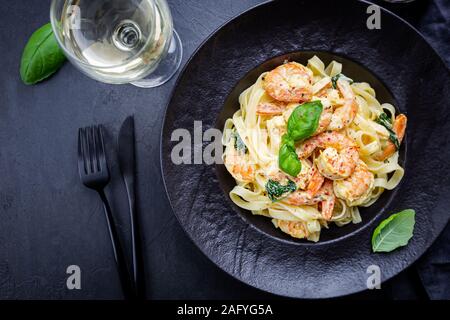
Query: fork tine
(81, 155)
(90, 150)
(102, 153)
(95, 147)
(86, 150)
(92, 162)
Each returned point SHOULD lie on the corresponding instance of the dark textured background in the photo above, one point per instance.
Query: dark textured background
(48, 220)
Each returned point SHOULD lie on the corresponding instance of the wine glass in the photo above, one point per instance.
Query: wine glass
(118, 41)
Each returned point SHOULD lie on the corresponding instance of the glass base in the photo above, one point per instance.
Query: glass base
(167, 67)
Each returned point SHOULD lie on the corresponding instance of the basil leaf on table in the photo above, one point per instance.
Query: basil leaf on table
(394, 231)
(41, 57)
(304, 120)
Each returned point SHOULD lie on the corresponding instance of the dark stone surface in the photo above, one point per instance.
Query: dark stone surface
(48, 220)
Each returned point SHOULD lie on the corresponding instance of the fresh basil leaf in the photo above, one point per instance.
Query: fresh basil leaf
(302, 123)
(288, 160)
(335, 78)
(286, 139)
(239, 144)
(386, 122)
(276, 190)
(394, 231)
(304, 120)
(41, 57)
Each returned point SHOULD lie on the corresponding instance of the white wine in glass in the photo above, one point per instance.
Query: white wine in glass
(118, 41)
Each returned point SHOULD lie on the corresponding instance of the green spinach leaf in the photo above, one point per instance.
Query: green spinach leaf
(394, 139)
(239, 144)
(386, 122)
(41, 57)
(275, 190)
(335, 78)
(394, 232)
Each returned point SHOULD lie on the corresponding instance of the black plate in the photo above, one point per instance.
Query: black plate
(403, 69)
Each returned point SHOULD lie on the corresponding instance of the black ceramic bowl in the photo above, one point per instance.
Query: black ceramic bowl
(403, 69)
(351, 69)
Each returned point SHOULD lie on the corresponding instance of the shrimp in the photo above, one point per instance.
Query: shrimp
(356, 189)
(339, 158)
(399, 127)
(325, 196)
(329, 200)
(295, 229)
(315, 182)
(344, 115)
(270, 108)
(308, 179)
(238, 165)
(325, 116)
(290, 82)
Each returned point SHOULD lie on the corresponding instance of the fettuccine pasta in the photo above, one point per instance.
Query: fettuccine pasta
(301, 179)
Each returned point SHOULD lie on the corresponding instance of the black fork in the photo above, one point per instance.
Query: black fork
(94, 174)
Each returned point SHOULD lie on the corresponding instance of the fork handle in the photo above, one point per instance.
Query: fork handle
(119, 256)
